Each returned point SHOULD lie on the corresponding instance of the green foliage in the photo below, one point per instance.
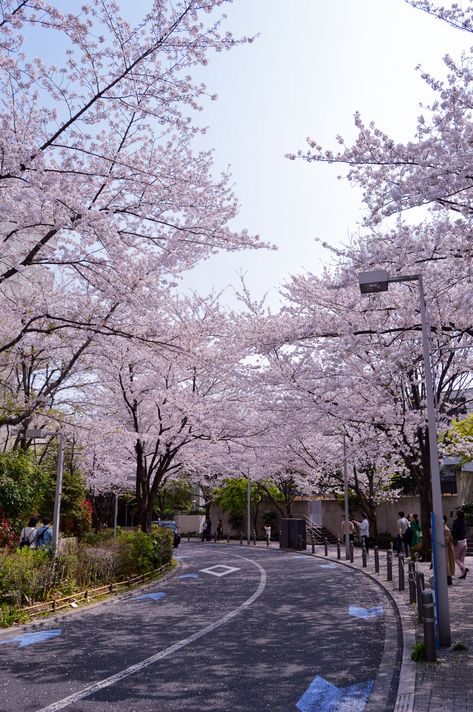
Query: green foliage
(22, 485)
(175, 497)
(270, 518)
(139, 553)
(418, 653)
(26, 576)
(76, 514)
(31, 575)
(103, 536)
(460, 647)
(11, 615)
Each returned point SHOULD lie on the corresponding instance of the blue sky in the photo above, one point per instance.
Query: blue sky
(314, 64)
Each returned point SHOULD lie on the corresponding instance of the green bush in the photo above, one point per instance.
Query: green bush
(139, 553)
(25, 576)
(104, 536)
(32, 575)
(418, 653)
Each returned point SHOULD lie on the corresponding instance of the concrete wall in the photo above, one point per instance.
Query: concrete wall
(189, 522)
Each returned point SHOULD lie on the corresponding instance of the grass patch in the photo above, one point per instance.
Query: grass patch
(459, 646)
(418, 653)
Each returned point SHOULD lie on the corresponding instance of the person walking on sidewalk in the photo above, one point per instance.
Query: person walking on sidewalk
(402, 528)
(415, 528)
(449, 551)
(364, 529)
(459, 542)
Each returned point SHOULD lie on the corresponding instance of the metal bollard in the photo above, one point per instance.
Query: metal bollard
(228, 537)
(401, 572)
(428, 621)
(411, 568)
(339, 555)
(267, 540)
(215, 537)
(313, 542)
(376, 559)
(326, 546)
(420, 585)
(188, 536)
(241, 538)
(389, 566)
(254, 538)
(352, 553)
(363, 556)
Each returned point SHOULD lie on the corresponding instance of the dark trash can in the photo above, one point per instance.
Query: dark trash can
(293, 534)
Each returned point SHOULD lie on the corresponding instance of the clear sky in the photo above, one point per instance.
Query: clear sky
(314, 64)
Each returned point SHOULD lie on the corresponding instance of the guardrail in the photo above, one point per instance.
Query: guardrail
(57, 604)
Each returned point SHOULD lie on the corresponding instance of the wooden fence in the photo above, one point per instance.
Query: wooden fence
(58, 604)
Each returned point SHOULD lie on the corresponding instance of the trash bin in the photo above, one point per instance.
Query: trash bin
(293, 534)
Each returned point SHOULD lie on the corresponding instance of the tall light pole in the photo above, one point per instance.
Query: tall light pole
(59, 472)
(377, 281)
(345, 487)
(248, 510)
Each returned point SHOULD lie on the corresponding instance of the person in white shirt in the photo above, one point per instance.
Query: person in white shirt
(402, 527)
(28, 534)
(364, 529)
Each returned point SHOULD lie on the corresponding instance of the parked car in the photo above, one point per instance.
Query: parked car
(174, 530)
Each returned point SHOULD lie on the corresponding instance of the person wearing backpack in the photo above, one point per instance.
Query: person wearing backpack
(28, 534)
(44, 534)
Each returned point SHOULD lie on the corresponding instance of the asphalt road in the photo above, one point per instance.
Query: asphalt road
(258, 630)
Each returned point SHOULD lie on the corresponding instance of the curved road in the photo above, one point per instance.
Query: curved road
(234, 629)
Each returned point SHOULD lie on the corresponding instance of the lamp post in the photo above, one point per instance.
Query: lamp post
(345, 487)
(59, 472)
(378, 281)
(248, 511)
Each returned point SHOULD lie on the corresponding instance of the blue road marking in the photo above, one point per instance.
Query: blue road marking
(373, 612)
(32, 638)
(322, 696)
(153, 596)
(187, 576)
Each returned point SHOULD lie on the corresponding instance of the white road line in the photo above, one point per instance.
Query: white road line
(108, 681)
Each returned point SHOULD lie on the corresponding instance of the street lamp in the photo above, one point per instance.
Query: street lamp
(345, 487)
(33, 434)
(378, 281)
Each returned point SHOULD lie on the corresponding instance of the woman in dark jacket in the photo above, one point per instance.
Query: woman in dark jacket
(459, 542)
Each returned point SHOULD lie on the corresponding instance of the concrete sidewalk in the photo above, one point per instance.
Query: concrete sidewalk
(444, 686)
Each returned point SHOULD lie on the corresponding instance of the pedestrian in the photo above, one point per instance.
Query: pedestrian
(267, 530)
(407, 538)
(449, 551)
(415, 529)
(364, 529)
(28, 534)
(402, 527)
(44, 535)
(349, 528)
(219, 529)
(459, 542)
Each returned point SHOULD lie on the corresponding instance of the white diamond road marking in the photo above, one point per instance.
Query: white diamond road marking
(214, 570)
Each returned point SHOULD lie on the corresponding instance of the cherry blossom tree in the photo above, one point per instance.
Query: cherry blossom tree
(104, 200)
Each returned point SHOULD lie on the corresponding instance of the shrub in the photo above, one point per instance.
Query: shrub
(25, 576)
(139, 553)
(418, 653)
